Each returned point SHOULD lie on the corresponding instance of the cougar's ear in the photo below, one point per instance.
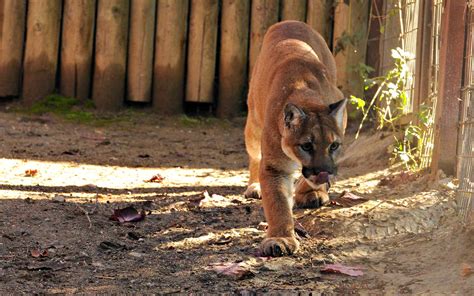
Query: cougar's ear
(338, 111)
(293, 115)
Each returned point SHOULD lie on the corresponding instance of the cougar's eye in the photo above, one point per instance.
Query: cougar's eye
(307, 147)
(333, 147)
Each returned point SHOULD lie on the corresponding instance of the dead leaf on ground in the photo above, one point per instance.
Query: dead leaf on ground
(235, 270)
(155, 179)
(342, 269)
(37, 253)
(348, 199)
(128, 214)
(398, 179)
(214, 200)
(466, 270)
(108, 246)
(301, 231)
(239, 269)
(31, 173)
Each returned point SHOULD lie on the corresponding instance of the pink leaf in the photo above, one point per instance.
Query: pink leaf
(235, 270)
(155, 179)
(128, 214)
(342, 269)
(347, 199)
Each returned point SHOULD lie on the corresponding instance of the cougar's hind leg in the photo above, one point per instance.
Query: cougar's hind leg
(252, 143)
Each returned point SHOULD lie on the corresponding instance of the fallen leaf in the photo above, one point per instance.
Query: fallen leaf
(108, 246)
(466, 270)
(300, 230)
(128, 214)
(71, 152)
(214, 200)
(155, 179)
(135, 235)
(236, 270)
(398, 179)
(31, 173)
(342, 269)
(36, 253)
(347, 199)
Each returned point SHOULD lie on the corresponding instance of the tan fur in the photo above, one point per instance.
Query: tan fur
(295, 66)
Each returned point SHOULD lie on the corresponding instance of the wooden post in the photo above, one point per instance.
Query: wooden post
(41, 52)
(12, 32)
(318, 16)
(140, 50)
(202, 51)
(76, 48)
(110, 54)
(453, 23)
(264, 14)
(350, 44)
(170, 56)
(293, 10)
(233, 57)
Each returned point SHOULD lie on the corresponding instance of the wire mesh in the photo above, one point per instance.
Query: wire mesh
(465, 169)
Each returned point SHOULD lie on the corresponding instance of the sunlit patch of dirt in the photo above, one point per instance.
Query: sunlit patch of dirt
(200, 234)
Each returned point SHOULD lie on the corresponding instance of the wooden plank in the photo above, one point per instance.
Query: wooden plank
(170, 56)
(202, 51)
(318, 16)
(12, 32)
(140, 50)
(110, 54)
(293, 10)
(233, 57)
(76, 48)
(350, 44)
(448, 103)
(264, 14)
(41, 52)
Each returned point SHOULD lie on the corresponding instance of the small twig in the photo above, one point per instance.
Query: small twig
(86, 213)
(91, 212)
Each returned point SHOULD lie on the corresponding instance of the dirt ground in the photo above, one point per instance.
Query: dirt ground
(57, 236)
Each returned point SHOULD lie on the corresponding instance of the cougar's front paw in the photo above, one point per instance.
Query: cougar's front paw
(279, 246)
(253, 191)
(311, 199)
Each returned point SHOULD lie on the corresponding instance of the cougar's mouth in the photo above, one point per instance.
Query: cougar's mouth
(320, 178)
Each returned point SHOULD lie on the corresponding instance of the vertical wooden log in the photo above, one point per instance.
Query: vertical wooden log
(293, 10)
(450, 77)
(12, 32)
(110, 54)
(233, 57)
(140, 50)
(318, 16)
(350, 44)
(202, 51)
(41, 52)
(76, 48)
(264, 14)
(170, 56)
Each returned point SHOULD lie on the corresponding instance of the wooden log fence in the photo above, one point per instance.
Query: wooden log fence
(162, 53)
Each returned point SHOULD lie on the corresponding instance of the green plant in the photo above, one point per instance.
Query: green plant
(389, 103)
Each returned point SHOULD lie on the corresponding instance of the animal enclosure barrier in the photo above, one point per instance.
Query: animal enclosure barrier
(465, 192)
(160, 53)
